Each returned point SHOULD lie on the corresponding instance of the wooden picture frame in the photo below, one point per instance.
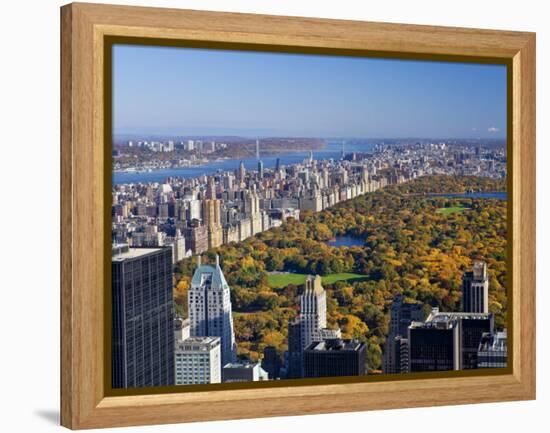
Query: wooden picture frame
(84, 30)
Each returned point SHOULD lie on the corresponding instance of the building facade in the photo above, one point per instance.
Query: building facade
(335, 357)
(271, 362)
(313, 311)
(143, 317)
(475, 289)
(492, 351)
(294, 357)
(447, 341)
(402, 314)
(198, 361)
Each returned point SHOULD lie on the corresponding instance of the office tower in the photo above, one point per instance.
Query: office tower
(492, 351)
(243, 372)
(447, 341)
(198, 361)
(210, 308)
(271, 362)
(475, 289)
(313, 310)
(335, 357)
(277, 164)
(143, 317)
(294, 359)
(402, 314)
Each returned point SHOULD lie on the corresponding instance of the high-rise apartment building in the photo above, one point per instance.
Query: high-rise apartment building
(198, 361)
(475, 289)
(313, 310)
(143, 317)
(210, 308)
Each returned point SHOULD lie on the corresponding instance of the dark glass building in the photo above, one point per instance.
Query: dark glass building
(472, 329)
(402, 314)
(447, 341)
(294, 367)
(271, 362)
(492, 352)
(335, 357)
(143, 317)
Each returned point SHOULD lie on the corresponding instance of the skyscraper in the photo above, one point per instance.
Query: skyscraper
(143, 317)
(401, 316)
(475, 289)
(294, 359)
(242, 172)
(210, 308)
(313, 311)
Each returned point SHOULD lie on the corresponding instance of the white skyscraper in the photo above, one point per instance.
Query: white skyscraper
(210, 308)
(475, 289)
(313, 311)
(198, 361)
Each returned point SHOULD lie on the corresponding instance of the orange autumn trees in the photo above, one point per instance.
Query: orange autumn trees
(407, 247)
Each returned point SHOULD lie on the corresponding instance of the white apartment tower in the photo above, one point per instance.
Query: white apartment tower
(198, 361)
(475, 289)
(210, 308)
(313, 311)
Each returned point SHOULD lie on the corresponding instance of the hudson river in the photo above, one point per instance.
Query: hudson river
(333, 150)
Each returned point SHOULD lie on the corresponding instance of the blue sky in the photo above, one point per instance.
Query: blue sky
(186, 91)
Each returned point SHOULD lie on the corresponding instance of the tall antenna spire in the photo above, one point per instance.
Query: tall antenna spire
(258, 149)
(217, 261)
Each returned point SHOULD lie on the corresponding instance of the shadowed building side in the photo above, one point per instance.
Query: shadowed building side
(143, 317)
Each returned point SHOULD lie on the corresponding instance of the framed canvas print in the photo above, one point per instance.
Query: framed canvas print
(267, 216)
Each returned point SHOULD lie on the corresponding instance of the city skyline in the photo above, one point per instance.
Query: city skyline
(172, 91)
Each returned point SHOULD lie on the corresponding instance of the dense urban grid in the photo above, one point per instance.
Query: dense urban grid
(156, 226)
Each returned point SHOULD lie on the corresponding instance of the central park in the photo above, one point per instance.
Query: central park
(410, 242)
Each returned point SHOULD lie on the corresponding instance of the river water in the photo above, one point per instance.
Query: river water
(333, 150)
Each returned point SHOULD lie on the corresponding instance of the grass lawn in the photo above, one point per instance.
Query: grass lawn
(282, 280)
(451, 210)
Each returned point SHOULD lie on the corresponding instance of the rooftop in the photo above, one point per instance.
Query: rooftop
(493, 342)
(447, 320)
(335, 344)
(197, 343)
(123, 252)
